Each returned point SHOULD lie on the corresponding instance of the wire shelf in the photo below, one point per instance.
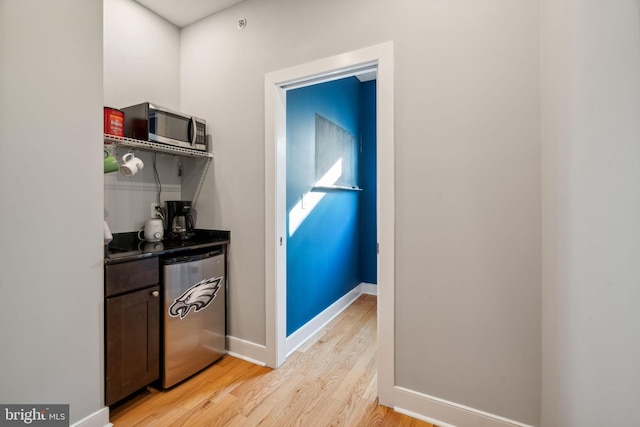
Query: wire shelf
(154, 146)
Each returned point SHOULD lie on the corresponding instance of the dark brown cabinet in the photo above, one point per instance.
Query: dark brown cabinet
(132, 327)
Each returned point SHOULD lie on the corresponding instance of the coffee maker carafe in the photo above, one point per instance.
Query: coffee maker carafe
(179, 220)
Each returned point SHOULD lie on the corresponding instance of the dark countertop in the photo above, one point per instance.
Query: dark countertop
(127, 247)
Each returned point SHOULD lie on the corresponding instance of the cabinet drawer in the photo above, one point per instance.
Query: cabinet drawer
(129, 276)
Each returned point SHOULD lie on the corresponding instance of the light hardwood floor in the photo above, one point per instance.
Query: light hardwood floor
(330, 381)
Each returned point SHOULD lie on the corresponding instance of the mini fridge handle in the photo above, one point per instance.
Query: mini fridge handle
(191, 258)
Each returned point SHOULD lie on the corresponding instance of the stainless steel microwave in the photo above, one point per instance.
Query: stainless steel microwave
(151, 122)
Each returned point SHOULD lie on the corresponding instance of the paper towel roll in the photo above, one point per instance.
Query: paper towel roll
(108, 237)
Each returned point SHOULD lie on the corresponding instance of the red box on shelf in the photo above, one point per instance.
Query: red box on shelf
(113, 122)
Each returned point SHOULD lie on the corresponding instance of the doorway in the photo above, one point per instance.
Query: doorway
(380, 58)
(331, 201)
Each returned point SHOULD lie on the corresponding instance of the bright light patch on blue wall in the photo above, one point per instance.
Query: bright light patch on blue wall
(310, 200)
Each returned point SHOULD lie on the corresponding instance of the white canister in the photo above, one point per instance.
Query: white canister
(153, 230)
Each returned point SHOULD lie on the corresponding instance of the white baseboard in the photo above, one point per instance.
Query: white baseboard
(246, 350)
(257, 354)
(97, 419)
(309, 329)
(369, 288)
(444, 413)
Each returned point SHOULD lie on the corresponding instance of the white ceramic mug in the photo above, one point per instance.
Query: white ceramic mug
(131, 165)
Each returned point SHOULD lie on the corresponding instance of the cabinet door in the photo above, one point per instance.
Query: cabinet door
(132, 333)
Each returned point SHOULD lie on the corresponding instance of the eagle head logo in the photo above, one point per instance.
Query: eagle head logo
(198, 296)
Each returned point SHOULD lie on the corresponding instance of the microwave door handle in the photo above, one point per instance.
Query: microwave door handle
(192, 131)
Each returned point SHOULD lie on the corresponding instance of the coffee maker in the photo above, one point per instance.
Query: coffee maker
(179, 220)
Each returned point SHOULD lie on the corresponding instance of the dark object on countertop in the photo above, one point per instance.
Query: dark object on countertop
(180, 222)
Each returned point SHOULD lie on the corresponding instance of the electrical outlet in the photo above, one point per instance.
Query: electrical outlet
(154, 212)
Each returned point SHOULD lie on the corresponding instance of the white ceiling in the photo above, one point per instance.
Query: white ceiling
(184, 12)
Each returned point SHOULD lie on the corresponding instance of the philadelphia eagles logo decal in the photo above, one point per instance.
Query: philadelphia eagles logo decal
(199, 296)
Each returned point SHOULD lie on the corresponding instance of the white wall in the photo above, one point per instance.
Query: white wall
(468, 210)
(591, 213)
(467, 185)
(141, 63)
(141, 56)
(51, 222)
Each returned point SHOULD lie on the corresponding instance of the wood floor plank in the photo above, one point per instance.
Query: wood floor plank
(270, 405)
(329, 381)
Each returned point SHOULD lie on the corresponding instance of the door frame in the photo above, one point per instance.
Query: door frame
(276, 85)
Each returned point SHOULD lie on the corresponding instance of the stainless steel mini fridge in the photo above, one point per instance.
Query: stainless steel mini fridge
(193, 314)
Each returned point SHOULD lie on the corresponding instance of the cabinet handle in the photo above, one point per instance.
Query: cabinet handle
(155, 293)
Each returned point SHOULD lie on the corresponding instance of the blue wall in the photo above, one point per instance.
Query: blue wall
(368, 214)
(324, 256)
